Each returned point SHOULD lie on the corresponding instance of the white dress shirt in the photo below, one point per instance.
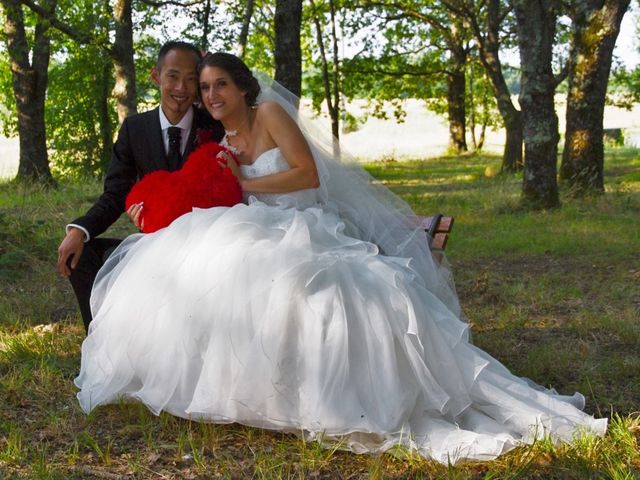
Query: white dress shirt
(184, 125)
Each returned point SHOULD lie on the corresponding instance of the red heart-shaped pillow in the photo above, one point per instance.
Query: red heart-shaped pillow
(202, 182)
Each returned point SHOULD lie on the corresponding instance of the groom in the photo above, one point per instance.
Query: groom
(155, 140)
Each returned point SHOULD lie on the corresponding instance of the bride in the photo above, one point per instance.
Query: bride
(314, 307)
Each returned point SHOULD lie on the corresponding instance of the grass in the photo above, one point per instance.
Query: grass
(553, 295)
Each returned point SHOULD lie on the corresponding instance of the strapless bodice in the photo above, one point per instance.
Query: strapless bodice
(270, 162)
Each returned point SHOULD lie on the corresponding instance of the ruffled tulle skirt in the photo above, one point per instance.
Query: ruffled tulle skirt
(273, 317)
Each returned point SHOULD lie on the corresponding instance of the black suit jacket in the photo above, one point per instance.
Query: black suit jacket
(138, 150)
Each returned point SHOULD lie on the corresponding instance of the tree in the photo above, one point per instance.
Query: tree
(80, 85)
(536, 25)
(457, 84)
(329, 70)
(120, 51)
(423, 43)
(244, 31)
(481, 106)
(208, 24)
(29, 69)
(454, 36)
(596, 25)
(486, 19)
(288, 55)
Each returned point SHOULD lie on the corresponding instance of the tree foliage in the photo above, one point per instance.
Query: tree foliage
(80, 149)
(8, 112)
(449, 53)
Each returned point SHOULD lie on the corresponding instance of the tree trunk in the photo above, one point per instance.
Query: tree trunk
(489, 46)
(29, 88)
(288, 56)
(536, 24)
(512, 159)
(596, 28)
(206, 26)
(456, 93)
(483, 133)
(244, 32)
(330, 94)
(122, 55)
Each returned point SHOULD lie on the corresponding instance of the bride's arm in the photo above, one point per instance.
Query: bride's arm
(286, 135)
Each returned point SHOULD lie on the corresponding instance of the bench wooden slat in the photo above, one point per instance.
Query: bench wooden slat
(439, 241)
(440, 231)
(445, 225)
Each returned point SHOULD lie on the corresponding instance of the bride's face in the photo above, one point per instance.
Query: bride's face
(220, 95)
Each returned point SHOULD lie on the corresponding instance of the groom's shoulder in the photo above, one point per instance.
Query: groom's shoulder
(141, 120)
(143, 117)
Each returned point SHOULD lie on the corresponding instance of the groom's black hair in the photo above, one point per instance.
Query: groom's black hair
(177, 45)
(237, 69)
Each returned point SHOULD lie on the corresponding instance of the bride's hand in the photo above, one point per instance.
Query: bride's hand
(135, 214)
(230, 162)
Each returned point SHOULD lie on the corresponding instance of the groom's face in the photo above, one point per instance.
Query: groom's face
(178, 81)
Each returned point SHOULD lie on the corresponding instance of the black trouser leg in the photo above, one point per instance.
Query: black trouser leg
(95, 253)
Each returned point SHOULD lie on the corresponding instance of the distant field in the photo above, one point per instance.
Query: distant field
(422, 134)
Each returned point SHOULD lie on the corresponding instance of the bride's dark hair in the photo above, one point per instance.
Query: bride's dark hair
(240, 73)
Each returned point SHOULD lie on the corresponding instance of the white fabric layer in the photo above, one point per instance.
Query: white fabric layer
(269, 315)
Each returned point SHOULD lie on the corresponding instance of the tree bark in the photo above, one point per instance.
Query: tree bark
(488, 38)
(122, 56)
(512, 158)
(29, 87)
(206, 26)
(244, 31)
(456, 93)
(536, 24)
(288, 55)
(596, 26)
(329, 82)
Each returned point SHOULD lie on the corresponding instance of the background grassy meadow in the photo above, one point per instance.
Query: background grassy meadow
(554, 295)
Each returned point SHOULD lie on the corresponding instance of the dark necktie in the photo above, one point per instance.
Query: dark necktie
(174, 156)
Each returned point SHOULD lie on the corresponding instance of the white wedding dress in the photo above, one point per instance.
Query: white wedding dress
(268, 314)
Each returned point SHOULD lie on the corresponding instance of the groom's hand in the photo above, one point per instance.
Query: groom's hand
(70, 248)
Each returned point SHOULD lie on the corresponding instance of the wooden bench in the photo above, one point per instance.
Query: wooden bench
(438, 227)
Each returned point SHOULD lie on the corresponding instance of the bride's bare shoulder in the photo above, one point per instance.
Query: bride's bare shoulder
(274, 118)
(270, 109)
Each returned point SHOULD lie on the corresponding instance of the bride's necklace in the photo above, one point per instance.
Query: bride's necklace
(234, 133)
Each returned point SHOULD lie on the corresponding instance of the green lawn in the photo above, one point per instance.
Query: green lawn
(553, 295)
